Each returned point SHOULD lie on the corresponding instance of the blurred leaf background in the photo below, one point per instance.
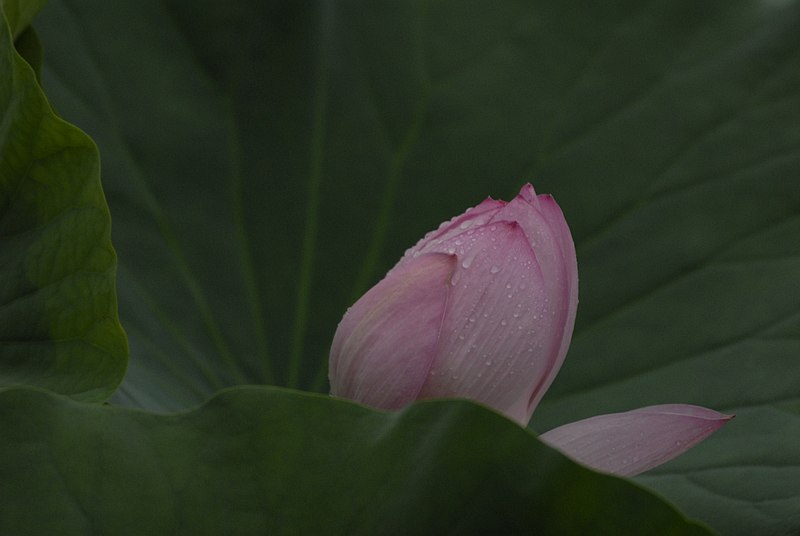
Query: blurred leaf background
(266, 162)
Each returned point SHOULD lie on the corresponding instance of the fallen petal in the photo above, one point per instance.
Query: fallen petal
(632, 442)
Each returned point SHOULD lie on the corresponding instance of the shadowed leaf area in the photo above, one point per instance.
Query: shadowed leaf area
(58, 309)
(243, 464)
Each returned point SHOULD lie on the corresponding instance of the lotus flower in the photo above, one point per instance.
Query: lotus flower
(483, 308)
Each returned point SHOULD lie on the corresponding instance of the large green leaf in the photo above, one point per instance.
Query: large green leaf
(265, 162)
(19, 14)
(232, 467)
(58, 312)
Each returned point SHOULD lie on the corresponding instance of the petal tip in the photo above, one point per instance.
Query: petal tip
(527, 193)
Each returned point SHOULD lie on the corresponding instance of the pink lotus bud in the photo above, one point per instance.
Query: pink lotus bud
(481, 308)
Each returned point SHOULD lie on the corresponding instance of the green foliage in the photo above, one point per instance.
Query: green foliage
(58, 310)
(271, 461)
(19, 14)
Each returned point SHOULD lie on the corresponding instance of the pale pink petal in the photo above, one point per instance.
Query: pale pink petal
(384, 345)
(528, 194)
(632, 442)
(495, 340)
(568, 296)
(549, 239)
(448, 230)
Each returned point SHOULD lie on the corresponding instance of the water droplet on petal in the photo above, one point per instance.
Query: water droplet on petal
(465, 224)
(494, 269)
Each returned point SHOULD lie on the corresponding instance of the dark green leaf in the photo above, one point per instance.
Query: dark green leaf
(272, 461)
(29, 47)
(20, 13)
(58, 311)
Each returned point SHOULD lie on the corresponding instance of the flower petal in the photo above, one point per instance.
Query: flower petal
(449, 230)
(550, 240)
(495, 339)
(384, 345)
(632, 442)
(569, 293)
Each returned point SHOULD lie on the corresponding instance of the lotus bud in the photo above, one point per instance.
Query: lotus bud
(482, 308)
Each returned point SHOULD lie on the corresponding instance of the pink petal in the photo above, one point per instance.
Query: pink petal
(472, 217)
(384, 345)
(568, 296)
(629, 443)
(550, 239)
(495, 339)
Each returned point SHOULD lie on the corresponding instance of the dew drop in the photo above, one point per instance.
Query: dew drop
(508, 286)
(503, 322)
(493, 228)
(466, 263)
(489, 363)
(465, 224)
(494, 269)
